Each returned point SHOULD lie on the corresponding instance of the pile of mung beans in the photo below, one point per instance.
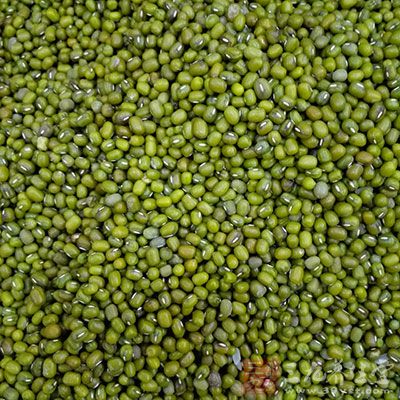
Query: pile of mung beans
(193, 191)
